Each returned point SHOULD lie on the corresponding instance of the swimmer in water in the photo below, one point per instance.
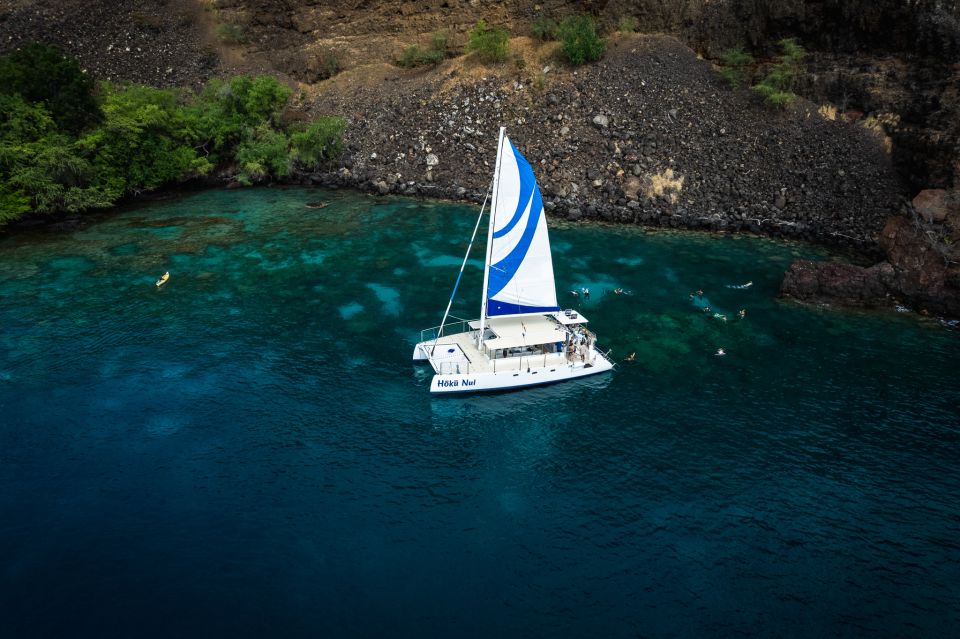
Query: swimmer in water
(742, 313)
(631, 357)
(720, 352)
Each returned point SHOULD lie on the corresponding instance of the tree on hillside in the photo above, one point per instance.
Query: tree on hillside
(40, 73)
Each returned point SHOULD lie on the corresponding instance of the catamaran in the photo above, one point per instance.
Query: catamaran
(522, 338)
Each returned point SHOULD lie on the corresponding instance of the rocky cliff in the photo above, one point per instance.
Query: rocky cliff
(648, 135)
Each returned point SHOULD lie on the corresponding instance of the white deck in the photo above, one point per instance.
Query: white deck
(458, 353)
(518, 346)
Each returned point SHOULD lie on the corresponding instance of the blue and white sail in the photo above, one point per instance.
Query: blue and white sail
(519, 263)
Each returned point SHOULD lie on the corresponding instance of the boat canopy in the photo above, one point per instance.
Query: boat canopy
(532, 330)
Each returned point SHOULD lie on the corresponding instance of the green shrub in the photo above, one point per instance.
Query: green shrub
(778, 85)
(544, 29)
(13, 204)
(144, 143)
(318, 142)
(580, 42)
(224, 110)
(59, 156)
(43, 74)
(414, 56)
(736, 66)
(627, 24)
(489, 43)
(331, 65)
(231, 33)
(263, 153)
(53, 176)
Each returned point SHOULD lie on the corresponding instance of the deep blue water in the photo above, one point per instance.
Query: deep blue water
(250, 452)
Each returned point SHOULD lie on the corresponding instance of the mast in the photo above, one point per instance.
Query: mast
(493, 219)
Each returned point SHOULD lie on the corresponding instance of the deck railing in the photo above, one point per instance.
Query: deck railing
(458, 325)
(454, 368)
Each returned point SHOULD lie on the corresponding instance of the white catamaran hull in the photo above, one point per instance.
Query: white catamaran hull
(509, 379)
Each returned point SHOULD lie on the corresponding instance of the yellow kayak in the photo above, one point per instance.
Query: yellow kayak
(163, 279)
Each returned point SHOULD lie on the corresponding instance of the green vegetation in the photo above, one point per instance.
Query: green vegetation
(544, 29)
(736, 66)
(777, 87)
(489, 43)
(317, 142)
(438, 42)
(414, 56)
(331, 64)
(41, 74)
(66, 147)
(230, 33)
(627, 24)
(581, 44)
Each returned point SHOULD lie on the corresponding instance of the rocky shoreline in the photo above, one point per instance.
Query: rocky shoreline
(648, 136)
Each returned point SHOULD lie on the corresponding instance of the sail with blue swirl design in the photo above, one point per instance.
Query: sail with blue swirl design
(520, 264)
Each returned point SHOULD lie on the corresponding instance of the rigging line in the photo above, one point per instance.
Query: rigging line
(460, 274)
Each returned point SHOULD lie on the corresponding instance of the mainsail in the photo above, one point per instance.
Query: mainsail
(519, 264)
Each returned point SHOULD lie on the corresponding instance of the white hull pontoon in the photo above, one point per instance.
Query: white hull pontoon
(516, 352)
(522, 338)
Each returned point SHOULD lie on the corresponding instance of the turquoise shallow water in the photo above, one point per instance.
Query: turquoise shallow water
(249, 451)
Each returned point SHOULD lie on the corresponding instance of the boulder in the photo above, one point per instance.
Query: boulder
(848, 284)
(934, 205)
